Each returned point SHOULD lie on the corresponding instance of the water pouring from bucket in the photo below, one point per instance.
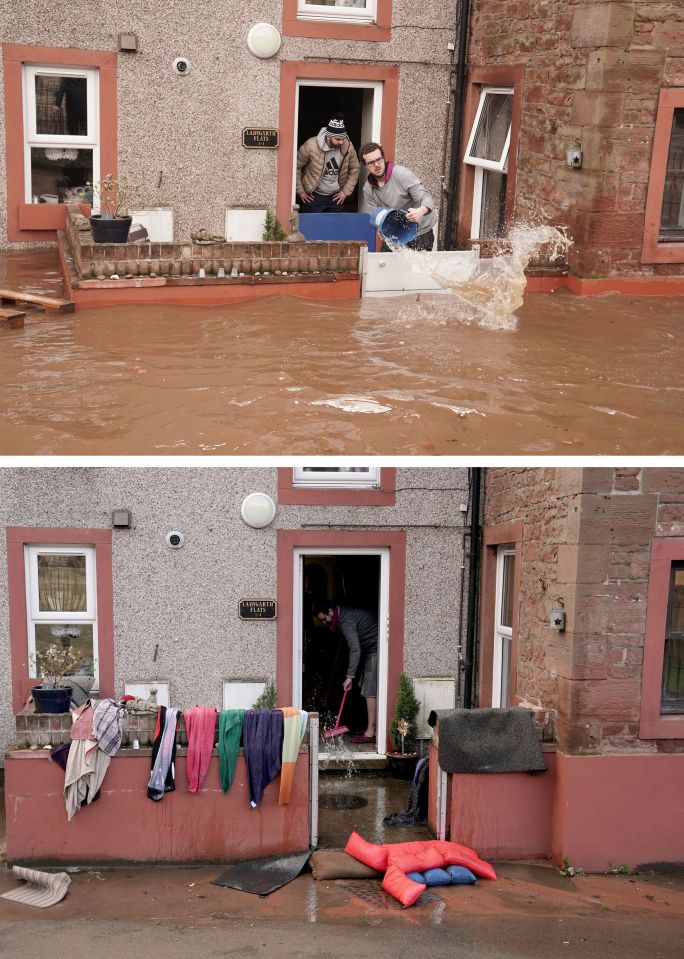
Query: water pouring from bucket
(393, 225)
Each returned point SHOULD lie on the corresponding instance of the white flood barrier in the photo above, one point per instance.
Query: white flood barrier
(482, 290)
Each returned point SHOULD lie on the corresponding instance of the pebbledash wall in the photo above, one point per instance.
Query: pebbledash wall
(180, 138)
(174, 612)
(595, 72)
(597, 543)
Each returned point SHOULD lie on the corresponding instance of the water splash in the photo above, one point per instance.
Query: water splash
(334, 753)
(489, 290)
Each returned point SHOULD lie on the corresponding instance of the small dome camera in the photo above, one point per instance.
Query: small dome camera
(181, 66)
(174, 539)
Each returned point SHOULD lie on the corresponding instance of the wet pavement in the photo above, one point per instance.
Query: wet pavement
(529, 911)
(281, 376)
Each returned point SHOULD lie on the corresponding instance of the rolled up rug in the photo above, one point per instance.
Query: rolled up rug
(42, 889)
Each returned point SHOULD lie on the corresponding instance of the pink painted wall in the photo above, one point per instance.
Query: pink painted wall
(125, 825)
(611, 810)
(504, 815)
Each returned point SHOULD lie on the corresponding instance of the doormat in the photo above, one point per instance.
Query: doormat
(42, 889)
(262, 876)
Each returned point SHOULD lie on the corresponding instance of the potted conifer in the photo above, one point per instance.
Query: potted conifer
(403, 759)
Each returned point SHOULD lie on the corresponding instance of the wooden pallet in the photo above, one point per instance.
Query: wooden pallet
(11, 319)
(52, 304)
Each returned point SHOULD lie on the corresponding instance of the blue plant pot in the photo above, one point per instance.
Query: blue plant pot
(51, 700)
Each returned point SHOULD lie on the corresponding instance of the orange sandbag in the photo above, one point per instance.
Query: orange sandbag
(367, 852)
(397, 884)
(418, 858)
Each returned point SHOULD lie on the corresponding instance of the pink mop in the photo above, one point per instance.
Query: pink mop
(337, 730)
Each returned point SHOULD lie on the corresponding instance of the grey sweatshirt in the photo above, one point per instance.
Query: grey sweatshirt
(401, 191)
(360, 630)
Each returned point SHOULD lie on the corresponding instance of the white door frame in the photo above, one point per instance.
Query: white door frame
(383, 628)
(502, 634)
(375, 86)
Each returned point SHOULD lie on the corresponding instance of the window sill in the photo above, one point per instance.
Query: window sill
(42, 216)
(296, 25)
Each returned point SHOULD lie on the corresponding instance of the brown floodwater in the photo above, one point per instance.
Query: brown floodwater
(393, 376)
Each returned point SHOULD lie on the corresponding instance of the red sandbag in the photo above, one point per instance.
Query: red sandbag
(367, 852)
(401, 887)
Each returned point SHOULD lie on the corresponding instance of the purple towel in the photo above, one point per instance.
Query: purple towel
(262, 737)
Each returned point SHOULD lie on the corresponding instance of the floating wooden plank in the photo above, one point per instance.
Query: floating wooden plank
(52, 304)
(11, 319)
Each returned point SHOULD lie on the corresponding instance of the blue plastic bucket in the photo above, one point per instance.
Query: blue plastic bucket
(393, 225)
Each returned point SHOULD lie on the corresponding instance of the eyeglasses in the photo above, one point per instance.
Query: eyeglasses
(374, 161)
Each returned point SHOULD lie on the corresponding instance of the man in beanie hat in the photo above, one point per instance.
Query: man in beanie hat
(327, 168)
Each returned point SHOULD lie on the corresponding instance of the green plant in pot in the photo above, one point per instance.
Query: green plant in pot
(115, 196)
(54, 664)
(403, 730)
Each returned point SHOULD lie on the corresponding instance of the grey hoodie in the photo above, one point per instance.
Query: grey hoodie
(402, 189)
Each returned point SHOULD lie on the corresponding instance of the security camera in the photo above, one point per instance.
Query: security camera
(174, 539)
(181, 66)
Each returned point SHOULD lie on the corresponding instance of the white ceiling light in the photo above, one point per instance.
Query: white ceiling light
(263, 40)
(258, 510)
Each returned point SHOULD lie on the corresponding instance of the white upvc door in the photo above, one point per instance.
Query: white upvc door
(383, 627)
(503, 626)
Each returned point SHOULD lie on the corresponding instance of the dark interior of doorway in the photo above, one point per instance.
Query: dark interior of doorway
(347, 580)
(317, 105)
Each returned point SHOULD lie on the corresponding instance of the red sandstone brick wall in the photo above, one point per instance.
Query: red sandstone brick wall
(587, 542)
(593, 70)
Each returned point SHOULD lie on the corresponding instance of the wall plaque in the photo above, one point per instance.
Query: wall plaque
(259, 138)
(257, 609)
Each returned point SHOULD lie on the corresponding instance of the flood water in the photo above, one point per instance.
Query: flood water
(394, 376)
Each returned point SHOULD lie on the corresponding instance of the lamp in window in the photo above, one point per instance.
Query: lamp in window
(56, 154)
(258, 510)
(263, 40)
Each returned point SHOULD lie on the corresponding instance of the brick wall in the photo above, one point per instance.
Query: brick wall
(586, 546)
(593, 70)
(179, 263)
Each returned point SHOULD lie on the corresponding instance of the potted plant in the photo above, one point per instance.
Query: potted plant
(54, 664)
(403, 759)
(113, 223)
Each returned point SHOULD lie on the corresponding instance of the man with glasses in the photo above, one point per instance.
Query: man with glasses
(395, 187)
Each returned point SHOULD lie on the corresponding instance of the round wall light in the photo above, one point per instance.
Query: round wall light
(263, 40)
(258, 510)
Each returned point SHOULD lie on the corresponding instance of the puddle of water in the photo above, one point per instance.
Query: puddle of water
(393, 376)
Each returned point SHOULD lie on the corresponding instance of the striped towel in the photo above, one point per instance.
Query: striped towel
(42, 888)
(294, 727)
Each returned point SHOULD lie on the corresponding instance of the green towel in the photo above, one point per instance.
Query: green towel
(230, 731)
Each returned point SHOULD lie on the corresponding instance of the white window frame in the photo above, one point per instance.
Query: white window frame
(503, 635)
(318, 11)
(383, 552)
(344, 479)
(58, 617)
(33, 139)
(480, 165)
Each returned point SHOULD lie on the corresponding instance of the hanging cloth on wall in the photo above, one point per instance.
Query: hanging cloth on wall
(200, 723)
(108, 725)
(85, 770)
(294, 727)
(163, 775)
(230, 731)
(262, 738)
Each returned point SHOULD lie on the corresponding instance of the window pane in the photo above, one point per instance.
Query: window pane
(507, 591)
(672, 700)
(505, 671)
(61, 105)
(79, 637)
(493, 127)
(493, 207)
(336, 469)
(59, 174)
(62, 583)
(672, 216)
(362, 4)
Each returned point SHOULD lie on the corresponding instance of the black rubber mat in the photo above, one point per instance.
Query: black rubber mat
(262, 876)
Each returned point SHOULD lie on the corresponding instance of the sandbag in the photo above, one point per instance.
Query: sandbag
(367, 852)
(397, 884)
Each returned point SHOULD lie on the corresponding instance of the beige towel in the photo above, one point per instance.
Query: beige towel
(42, 888)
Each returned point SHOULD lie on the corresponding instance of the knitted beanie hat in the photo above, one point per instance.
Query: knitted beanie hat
(336, 127)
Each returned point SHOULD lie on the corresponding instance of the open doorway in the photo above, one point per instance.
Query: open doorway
(361, 104)
(349, 578)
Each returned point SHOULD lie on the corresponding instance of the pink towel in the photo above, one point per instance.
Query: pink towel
(200, 722)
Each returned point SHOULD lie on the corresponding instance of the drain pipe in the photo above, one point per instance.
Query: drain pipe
(453, 186)
(473, 591)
